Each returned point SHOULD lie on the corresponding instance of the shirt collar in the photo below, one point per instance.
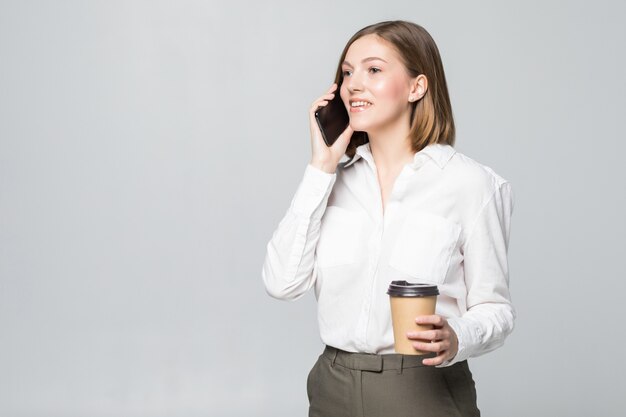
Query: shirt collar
(440, 153)
(362, 151)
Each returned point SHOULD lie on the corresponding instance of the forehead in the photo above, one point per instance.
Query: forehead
(368, 46)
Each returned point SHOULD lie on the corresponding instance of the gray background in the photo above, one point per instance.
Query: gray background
(148, 149)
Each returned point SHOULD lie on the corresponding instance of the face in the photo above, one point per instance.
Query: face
(374, 74)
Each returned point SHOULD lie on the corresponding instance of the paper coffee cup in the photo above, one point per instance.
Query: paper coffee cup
(409, 300)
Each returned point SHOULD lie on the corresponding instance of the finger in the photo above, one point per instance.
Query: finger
(437, 360)
(317, 104)
(326, 97)
(434, 319)
(431, 347)
(436, 334)
(332, 87)
(343, 139)
(348, 131)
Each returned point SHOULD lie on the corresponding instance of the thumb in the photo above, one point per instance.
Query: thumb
(346, 136)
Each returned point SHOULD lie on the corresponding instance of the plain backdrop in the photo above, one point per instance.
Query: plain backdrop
(148, 150)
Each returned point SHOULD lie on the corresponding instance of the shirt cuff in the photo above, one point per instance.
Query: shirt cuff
(314, 189)
(467, 337)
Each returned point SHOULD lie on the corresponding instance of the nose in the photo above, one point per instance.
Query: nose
(353, 83)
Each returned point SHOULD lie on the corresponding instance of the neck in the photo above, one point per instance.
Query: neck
(391, 147)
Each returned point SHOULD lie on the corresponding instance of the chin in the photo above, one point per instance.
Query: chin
(359, 126)
(362, 127)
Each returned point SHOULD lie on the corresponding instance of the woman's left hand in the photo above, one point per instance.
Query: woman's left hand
(441, 339)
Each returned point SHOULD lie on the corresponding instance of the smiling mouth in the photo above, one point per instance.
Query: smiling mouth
(359, 106)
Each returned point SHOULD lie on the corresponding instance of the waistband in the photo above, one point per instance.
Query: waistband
(373, 362)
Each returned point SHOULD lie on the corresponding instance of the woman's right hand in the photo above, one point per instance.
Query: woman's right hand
(324, 157)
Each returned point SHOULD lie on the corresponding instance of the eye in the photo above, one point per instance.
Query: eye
(345, 72)
(374, 68)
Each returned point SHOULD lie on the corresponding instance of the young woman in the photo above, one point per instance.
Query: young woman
(405, 206)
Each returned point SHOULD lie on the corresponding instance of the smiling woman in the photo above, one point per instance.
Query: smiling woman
(377, 85)
(393, 62)
(406, 206)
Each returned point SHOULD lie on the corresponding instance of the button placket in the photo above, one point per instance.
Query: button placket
(383, 220)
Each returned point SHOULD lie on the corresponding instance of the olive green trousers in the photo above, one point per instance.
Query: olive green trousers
(344, 384)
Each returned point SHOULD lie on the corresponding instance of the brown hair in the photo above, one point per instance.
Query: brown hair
(431, 116)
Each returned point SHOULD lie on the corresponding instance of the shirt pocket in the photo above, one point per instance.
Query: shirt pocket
(340, 241)
(424, 246)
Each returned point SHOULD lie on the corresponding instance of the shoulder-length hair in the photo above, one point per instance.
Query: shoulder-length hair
(431, 116)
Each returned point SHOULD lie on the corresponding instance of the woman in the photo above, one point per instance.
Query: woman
(406, 206)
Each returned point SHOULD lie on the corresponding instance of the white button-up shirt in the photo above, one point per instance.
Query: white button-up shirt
(446, 222)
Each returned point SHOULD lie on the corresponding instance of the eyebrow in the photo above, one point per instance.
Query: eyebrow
(371, 58)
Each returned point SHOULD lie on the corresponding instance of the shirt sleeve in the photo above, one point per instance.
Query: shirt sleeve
(490, 314)
(288, 270)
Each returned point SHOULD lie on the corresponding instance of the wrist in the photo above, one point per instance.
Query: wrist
(325, 166)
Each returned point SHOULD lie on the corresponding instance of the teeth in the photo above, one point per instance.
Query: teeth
(360, 103)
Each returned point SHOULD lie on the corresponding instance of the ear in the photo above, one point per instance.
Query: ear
(419, 85)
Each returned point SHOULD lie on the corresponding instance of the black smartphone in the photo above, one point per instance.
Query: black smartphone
(332, 119)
